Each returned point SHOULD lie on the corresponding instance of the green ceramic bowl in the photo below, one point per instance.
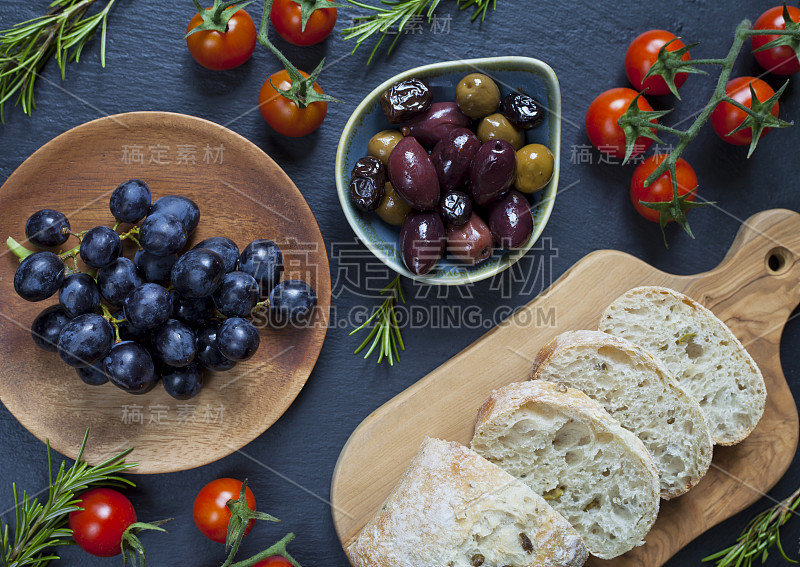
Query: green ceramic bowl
(532, 77)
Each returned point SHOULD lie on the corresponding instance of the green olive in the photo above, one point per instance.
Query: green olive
(477, 95)
(497, 127)
(382, 144)
(393, 209)
(535, 165)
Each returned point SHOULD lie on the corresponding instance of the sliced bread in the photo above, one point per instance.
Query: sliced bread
(453, 508)
(568, 449)
(639, 392)
(700, 351)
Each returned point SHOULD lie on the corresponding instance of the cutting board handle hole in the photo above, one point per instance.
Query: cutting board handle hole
(779, 260)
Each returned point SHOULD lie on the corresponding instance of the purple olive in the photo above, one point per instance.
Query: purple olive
(492, 171)
(413, 176)
(440, 120)
(470, 243)
(422, 241)
(455, 208)
(510, 220)
(452, 155)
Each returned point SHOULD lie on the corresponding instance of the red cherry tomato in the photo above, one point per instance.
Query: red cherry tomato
(660, 190)
(643, 52)
(286, 17)
(726, 117)
(274, 561)
(221, 51)
(284, 115)
(601, 122)
(99, 527)
(210, 511)
(780, 60)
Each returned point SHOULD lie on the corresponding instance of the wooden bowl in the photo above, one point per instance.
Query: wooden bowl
(242, 194)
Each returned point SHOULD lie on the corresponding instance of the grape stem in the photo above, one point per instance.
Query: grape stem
(18, 249)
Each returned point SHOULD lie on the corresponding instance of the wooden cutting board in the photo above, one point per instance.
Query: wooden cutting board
(753, 290)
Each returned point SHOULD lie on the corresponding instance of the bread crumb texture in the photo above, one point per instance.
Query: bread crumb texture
(700, 351)
(569, 450)
(452, 508)
(639, 392)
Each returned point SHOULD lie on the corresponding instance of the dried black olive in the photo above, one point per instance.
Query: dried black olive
(526, 543)
(405, 100)
(366, 193)
(522, 111)
(367, 183)
(478, 559)
(455, 208)
(369, 167)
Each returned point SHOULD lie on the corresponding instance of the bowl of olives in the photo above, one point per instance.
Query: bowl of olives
(448, 172)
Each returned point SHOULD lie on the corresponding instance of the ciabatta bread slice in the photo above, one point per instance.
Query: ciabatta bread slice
(453, 508)
(639, 392)
(700, 351)
(567, 448)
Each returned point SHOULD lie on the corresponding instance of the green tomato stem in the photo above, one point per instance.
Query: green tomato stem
(278, 548)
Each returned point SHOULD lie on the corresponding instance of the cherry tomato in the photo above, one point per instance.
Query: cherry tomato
(601, 122)
(660, 190)
(98, 528)
(286, 17)
(274, 561)
(284, 115)
(726, 117)
(210, 511)
(780, 60)
(221, 51)
(643, 52)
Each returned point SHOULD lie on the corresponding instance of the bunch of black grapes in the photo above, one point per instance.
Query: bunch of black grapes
(163, 315)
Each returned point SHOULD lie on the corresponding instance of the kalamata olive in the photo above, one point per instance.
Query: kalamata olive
(492, 171)
(497, 127)
(413, 176)
(535, 165)
(477, 95)
(366, 193)
(405, 100)
(510, 220)
(470, 243)
(369, 166)
(393, 209)
(522, 111)
(435, 124)
(422, 241)
(382, 144)
(455, 208)
(452, 155)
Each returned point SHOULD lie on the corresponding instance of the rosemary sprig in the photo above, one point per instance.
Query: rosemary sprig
(26, 47)
(40, 526)
(392, 16)
(759, 536)
(385, 333)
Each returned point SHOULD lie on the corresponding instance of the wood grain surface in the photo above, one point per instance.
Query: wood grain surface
(753, 290)
(242, 194)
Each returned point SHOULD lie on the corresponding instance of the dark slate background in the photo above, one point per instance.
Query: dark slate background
(149, 68)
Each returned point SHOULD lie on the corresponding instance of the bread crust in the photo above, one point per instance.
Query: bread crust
(759, 402)
(443, 493)
(578, 406)
(570, 340)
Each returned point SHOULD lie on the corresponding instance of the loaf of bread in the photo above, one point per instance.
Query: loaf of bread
(568, 449)
(701, 352)
(639, 392)
(453, 508)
